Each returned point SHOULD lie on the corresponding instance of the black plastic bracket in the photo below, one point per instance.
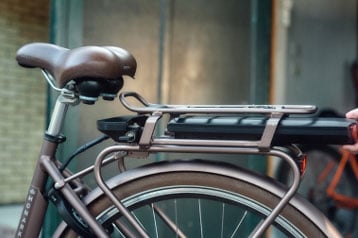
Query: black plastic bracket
(70, 216)
(55, 139)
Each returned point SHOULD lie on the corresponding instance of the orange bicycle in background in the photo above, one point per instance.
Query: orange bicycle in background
(341, 199)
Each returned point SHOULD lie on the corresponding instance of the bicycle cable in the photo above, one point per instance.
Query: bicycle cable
(82, 149)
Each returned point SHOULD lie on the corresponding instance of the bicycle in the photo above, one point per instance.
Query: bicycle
(170, 198)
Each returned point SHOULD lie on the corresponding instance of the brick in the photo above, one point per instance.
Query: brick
(22, 96)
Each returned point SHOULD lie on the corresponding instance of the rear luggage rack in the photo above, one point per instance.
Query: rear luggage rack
(274, 112)
(260, 126)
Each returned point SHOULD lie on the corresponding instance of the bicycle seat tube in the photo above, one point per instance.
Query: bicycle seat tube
(35, 206)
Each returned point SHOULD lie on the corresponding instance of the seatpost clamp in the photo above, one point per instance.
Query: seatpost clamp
(68, 96)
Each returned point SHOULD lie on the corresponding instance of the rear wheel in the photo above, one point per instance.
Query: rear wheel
(201, 200)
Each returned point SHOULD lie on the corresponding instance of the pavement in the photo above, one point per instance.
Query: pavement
(9, 218)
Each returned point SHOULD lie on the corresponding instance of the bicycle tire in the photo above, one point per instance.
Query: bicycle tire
(234, 187)
(318, 156)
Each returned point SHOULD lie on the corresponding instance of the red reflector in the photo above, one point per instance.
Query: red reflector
(303, 164)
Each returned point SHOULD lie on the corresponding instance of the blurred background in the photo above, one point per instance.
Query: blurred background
(197, 51)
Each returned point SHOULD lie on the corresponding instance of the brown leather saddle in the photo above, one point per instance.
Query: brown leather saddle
(95, 69)
(84, 62)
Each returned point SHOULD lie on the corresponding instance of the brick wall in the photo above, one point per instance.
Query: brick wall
(22, 96)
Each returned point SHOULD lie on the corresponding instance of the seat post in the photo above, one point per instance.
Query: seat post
(64, 100)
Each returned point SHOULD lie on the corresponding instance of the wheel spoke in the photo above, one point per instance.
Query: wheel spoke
(155, 221)
(200, 219)
(173, 226)
(222, 219)
(239, 224)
